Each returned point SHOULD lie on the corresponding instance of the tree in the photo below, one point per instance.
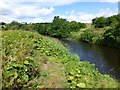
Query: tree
(2, 23)
(59, 28)
(111, 37)
(74, 26)
(99, 22)
(82, 25)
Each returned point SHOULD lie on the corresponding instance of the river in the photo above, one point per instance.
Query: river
(106, 59)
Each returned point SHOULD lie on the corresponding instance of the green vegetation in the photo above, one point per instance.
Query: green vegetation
(89, 35)
(23, 53)
(59, 28)
(103, 31)
(30, 60)
(111, 37)
(101, 22)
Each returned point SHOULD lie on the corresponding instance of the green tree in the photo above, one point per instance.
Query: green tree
(74, 26)
(113, 20)
(111, 37)
(82, 25)
(59, 28)
(99, 22)
(87, 35)
(40, 28)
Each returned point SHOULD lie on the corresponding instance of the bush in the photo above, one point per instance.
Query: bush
(87, 35)
(99, 22)
(111, 37)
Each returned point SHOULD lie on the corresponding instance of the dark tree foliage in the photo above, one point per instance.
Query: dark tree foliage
(112, 37)
(99, 22)
(2, 23)
(39, 28)
(82, 25)
(76, 26)
(59, 28)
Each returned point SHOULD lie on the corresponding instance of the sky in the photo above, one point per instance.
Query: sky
(45, 10)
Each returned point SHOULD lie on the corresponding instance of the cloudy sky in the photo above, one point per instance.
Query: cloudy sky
(45, 10)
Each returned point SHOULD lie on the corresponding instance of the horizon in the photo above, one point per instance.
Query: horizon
(44, 11)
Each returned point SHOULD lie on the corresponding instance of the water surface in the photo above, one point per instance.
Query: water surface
(106, 59)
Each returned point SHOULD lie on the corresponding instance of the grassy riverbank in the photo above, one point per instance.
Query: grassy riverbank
(102, 31)
(30, 60)
(107, 36)
(87, 34)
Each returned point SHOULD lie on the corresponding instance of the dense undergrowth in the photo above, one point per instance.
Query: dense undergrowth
(108, 36)
(102, 31)
(26, 54)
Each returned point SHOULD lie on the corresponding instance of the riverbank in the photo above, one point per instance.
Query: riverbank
(27, 57)
(106, 59)
(102, 31)
(107, 36)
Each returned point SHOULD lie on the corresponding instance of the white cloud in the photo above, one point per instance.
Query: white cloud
(45, 2)
(14, 10)
(87, 17)
(32, 12)
(107, 12)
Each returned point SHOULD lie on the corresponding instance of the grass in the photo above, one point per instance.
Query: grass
(89, 34)
(106, 36)
(55, 76)
(30, 60)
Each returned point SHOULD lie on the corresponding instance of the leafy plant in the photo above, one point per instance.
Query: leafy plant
(24, 52)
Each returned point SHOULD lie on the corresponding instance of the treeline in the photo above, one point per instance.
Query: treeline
(104, 31)
(59, 28)
(111, 37)
(101, 22)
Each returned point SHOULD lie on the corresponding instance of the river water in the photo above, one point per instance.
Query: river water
(106, 59)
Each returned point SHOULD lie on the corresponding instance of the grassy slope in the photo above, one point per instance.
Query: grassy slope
(94, 31)
(107, 36)
(55, 66)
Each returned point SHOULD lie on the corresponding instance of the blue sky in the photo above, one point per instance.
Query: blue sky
(44, 11)
(89, 7)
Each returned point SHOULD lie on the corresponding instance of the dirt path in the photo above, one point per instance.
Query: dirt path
(55, 77)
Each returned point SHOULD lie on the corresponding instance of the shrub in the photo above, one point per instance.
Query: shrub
(111, 37)
(87, 35)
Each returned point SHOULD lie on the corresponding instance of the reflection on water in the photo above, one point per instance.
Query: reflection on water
(106, 59)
